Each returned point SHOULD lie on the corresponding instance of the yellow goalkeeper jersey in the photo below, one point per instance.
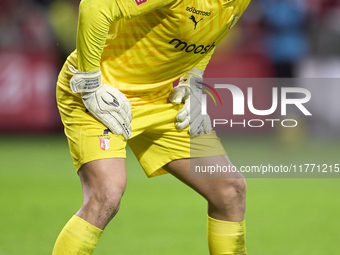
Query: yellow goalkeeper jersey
(155, 42)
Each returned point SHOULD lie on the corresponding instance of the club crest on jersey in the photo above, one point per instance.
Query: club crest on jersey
(138, 2)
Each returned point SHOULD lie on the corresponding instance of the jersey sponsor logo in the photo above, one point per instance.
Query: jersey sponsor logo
(198, 12)
(105, 140)
(138, 2)
(184, 46)
(192, 17)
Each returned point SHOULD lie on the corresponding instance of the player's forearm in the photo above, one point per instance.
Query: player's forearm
(95, 18)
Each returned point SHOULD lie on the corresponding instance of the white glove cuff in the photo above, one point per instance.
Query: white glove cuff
(196, 73)
(192, 77)
(85, 82)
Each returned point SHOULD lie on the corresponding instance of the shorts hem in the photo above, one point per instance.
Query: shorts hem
(80, 163)
(160, 171)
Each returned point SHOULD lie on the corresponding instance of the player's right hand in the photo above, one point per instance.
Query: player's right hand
(106, 103)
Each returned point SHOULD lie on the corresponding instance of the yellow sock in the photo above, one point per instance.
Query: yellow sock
(77, 237)
(226, 238)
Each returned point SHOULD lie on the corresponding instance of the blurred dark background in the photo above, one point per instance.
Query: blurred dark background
(295, 39)
(274, 38)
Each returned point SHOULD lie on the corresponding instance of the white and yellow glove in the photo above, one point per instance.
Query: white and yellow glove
(106, 103)
(189, 93)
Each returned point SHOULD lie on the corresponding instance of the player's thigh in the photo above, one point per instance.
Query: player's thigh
(88, 138)
(103, 179)
(208, 185)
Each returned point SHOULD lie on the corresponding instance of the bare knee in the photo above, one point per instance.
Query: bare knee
(106, 201)
(101, 206)
(229, 192)
(228, 200)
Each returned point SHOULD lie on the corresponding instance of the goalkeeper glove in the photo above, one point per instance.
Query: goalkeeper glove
(189, 92)
(106, 103)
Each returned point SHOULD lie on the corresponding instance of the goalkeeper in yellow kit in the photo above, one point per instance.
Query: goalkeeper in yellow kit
(129, 52)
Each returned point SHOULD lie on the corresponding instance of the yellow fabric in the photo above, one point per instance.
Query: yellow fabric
(133, 8)
(144, 55)
(154, 140)
(95, 18)
(226, 238)
(77, 237)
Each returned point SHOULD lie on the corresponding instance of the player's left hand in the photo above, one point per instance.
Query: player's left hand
(189, 93)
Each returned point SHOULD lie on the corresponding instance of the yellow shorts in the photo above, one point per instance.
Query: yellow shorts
(155, 141)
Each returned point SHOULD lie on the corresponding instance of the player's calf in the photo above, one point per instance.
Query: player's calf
(226, 198)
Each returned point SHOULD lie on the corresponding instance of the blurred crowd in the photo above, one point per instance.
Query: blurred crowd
(300, 38)
(39, 26)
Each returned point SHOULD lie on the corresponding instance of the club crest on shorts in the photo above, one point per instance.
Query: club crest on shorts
(105, 140)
